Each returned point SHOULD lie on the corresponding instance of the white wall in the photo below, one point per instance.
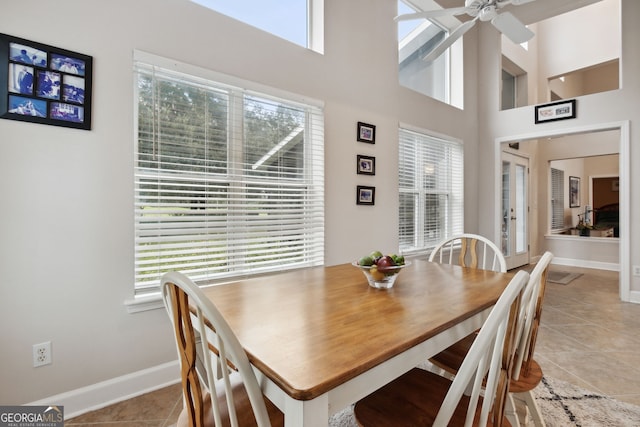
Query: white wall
(66, 251)
(572, 41)
(593, 111)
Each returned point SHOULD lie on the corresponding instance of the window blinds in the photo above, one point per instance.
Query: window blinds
(557, 199)
(431, 190)
(228, 182)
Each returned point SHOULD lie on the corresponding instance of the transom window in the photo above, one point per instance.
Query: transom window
(298, 21)
(441, 79)
(228, 181)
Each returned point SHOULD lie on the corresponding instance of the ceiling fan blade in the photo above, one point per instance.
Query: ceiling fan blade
(519, 2)
(511, 27)
(431, 14)
(446, 43)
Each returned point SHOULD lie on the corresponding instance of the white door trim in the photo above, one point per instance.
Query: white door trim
(625, 190)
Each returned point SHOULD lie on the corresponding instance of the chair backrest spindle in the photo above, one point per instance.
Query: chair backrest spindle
(486, 256)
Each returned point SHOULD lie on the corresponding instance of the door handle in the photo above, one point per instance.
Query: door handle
(513, 218)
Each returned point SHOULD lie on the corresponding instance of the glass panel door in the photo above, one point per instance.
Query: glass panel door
(515, 209)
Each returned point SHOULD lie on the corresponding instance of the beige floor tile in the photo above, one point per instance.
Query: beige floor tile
(599, 338)
(152, 408)
(553, 370)
(551, 340)
(597, 368)
(555, 316)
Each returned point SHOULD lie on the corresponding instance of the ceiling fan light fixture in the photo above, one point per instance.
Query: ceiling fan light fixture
(487, 13)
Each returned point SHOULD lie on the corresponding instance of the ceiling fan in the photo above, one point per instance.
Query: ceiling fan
(483, 10)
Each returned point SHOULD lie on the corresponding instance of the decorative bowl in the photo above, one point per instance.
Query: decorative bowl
(378, 279)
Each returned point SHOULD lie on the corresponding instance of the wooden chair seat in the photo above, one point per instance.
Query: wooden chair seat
(402, 402)
(242, 404)
(450, 359)
(528, 382)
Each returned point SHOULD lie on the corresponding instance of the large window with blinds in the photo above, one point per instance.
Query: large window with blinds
(228, 181)
(557, 199)
(431, 190)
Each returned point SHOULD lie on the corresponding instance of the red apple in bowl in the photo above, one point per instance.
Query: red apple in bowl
(385, 264)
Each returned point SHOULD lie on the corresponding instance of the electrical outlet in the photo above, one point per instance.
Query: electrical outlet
(42, 354)
(636, 270)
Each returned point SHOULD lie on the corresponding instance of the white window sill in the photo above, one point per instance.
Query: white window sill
(144, 303)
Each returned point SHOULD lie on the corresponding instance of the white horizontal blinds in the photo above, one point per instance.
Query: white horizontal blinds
(557, 199)
(228, 182)
(431, 190)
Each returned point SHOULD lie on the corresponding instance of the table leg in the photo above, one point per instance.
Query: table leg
(307, 413)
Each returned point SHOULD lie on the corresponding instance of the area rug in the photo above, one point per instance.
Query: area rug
(562, 277)
(562, 405)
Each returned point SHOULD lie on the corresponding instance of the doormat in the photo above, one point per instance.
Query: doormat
(562, 277)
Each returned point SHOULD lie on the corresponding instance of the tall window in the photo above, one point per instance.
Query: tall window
(298, 21)
(440, 79)
(431, 190)
(228, 182)
(557, 199)
(514, 85)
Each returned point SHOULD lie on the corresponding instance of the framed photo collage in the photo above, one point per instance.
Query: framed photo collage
(44, 84)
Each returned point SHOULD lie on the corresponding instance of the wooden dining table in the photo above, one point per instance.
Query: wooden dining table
(321, 338)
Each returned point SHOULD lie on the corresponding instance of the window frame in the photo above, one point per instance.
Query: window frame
(312, 169)
(453, 215)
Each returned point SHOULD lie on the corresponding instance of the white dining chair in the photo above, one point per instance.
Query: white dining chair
(472, 250)
(222, 370)
(525, 373)
(477, 393)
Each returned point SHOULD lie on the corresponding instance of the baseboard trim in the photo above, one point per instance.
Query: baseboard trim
(634, 296)
(586, 264)
(105, 393)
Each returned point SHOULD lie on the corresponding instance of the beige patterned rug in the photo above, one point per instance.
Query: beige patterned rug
(562, 405)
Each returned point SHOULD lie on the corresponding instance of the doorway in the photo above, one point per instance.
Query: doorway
(539, 237)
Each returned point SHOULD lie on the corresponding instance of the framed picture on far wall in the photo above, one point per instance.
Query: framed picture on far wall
(44, 84)
(574, 192)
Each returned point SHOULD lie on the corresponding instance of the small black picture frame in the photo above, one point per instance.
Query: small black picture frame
(366, 133)
(365, 195)
(44, 84)
(574, 192)
(560, 110)
(366, 165)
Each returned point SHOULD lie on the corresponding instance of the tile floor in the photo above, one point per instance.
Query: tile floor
(588, 338)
